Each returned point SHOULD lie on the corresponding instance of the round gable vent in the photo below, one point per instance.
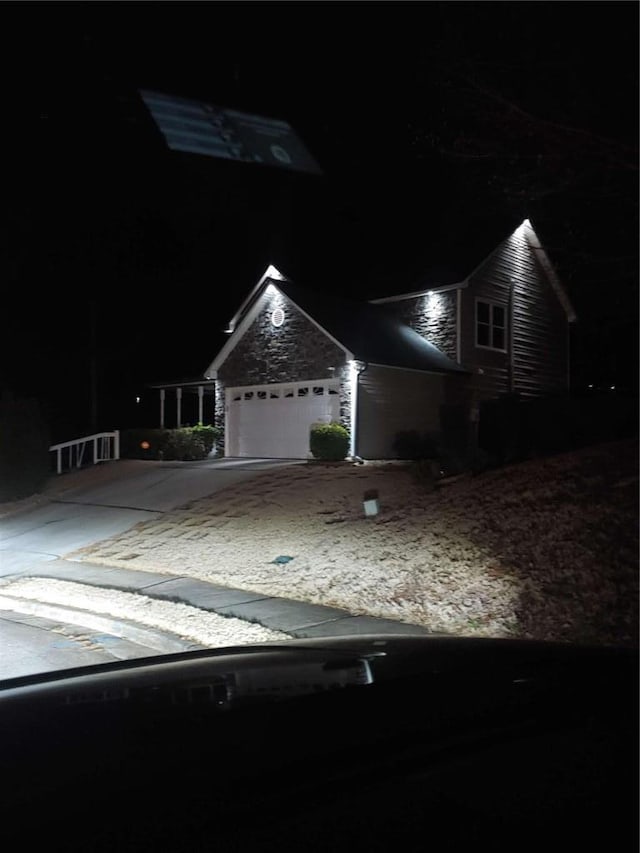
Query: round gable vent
(277, 317)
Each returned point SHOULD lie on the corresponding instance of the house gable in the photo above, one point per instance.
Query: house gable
(266, 296)
(276, 342)
(549, 270)
(518, 281)
(517, 284)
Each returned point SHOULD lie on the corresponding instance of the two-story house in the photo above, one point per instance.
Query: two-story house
(295, 357)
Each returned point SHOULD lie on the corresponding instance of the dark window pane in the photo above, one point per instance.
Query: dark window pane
(498, 316)
(483, 335)
(498, 338)
(483, 312)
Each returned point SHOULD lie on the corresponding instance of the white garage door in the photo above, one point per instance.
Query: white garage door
(273, 421)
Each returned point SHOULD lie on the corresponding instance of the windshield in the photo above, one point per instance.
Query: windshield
(317, 325)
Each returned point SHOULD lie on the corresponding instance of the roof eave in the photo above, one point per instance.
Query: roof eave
(437, 288)
(547, 266)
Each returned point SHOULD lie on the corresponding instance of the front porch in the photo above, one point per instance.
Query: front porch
(185, 402)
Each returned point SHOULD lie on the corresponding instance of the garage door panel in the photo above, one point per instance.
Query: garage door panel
(274, 421)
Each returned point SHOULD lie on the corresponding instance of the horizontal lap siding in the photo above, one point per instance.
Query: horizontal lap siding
(491, 282)
(540, 333)
(539, 325)
(392, 401)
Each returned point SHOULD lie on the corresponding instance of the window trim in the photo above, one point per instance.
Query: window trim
(492, 304)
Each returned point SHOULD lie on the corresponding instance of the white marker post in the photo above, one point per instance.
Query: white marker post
(370, 499)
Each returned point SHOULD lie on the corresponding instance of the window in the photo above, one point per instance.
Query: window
(491, 329)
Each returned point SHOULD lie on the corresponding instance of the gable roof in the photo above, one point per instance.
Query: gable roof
(549, 269)
(364, 331)
(370, 332)
(367, 331)
(451, 257)
(468, 257)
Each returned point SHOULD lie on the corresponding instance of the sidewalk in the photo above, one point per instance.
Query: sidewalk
(295, 618)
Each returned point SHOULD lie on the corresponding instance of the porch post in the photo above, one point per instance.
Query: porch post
(162, 408)
(200, 399)
(179, 407)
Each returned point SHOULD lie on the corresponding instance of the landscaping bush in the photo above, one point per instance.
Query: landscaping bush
(24, 448)
(329, 442)
(184, 444)
(143, 443)
(208, 434)
(512, 429)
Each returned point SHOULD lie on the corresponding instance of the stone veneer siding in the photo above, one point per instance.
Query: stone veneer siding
(293, 352)
(434, 317)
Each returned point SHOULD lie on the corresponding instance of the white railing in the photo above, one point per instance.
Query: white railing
(106, 447)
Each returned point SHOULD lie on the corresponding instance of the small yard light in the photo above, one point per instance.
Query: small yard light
(370, 500)
(145, 445)
(137, 399)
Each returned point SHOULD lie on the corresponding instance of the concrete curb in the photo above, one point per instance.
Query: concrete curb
(296, 618)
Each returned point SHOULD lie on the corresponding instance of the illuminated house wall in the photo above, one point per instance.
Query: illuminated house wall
(516, 278)
(296, 349)
(384, 377)
(432, 315)
(536, 357)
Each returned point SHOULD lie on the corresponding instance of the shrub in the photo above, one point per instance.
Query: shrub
(208, 434)
(143, 443)
(24, 448)
(184, 444)
(512, 429)
(329, 442)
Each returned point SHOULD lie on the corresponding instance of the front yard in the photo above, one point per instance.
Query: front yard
(545, 549)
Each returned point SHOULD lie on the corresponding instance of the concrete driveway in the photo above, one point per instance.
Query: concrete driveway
(90, 505)
(39, 631)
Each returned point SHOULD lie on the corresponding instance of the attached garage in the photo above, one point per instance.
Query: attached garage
(273, 421)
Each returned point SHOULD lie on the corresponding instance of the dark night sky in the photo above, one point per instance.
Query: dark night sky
(438, 127)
